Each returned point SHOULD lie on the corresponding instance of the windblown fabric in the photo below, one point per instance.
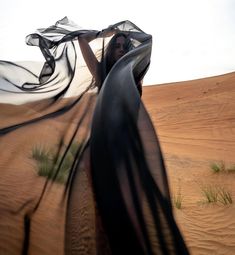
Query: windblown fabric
(81, 167)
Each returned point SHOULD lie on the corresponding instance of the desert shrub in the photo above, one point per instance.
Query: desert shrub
(224, 196)
(214, 194)
(53, 166)
(210, 193)
(220, 167)
(178, 198)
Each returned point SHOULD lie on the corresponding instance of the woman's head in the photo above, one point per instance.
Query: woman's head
(118, 46)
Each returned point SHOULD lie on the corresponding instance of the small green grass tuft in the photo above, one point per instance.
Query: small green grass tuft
(215, 168)
(54, 167)
(216, 194)
(220, 167)
(177, 199)
(210, 193)
(39, 153)
(224, 197)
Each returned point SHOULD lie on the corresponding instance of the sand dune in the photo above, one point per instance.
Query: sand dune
(195, 121)
(20, 185)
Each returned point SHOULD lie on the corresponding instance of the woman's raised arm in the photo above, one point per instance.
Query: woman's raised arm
(88, 54)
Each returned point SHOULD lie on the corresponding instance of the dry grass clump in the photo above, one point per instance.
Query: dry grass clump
(216, 194)
(220, 167)
(53, 166)
(178, 198)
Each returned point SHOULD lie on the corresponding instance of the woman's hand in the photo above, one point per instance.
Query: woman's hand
(110, 31)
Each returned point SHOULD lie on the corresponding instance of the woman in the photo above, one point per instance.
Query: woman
(118, 46)
(89, 177)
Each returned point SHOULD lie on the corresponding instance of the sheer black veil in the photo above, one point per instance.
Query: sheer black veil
(100, 135)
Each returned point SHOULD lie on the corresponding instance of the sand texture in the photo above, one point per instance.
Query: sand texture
(195, 122)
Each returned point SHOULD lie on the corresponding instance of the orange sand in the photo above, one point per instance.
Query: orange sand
(195, 121)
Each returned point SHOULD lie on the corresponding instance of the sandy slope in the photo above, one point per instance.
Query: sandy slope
(195, 121)
(21, 187)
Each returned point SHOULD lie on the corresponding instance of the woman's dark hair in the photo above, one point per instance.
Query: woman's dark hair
(108, 59)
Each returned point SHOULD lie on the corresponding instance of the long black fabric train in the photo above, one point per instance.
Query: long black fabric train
(81, 166)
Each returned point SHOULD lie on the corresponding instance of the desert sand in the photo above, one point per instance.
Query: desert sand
(195, 123)
(24, 193)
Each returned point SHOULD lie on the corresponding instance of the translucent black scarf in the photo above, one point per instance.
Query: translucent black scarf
(81, 166)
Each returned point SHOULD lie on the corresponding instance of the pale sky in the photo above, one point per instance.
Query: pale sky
(191, 38)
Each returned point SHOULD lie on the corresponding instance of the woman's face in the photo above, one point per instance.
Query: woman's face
(119, 47)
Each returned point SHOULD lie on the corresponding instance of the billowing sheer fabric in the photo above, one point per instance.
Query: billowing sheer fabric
(81, 166)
